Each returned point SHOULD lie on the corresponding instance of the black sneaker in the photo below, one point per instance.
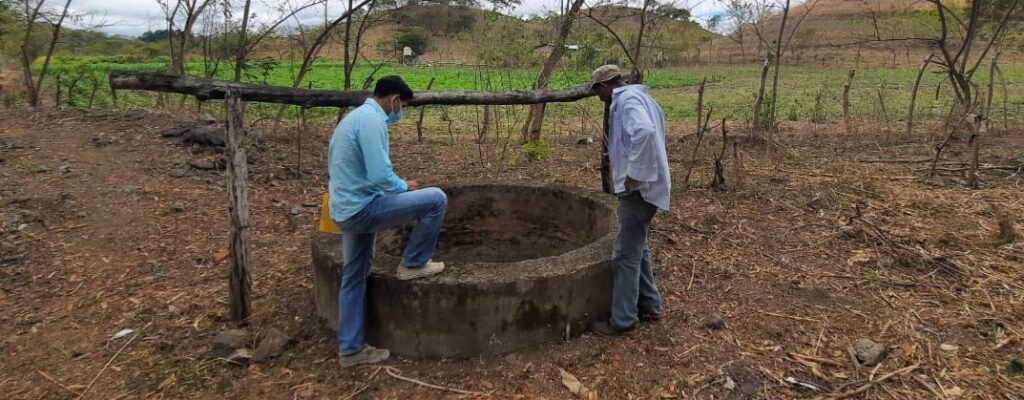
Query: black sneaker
(604, 328)
(650, 317)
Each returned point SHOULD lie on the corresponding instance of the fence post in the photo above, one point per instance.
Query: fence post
(240, 283)
(846, 100)
(606, 172)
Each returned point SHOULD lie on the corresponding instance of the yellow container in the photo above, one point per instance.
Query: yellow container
(327, 225)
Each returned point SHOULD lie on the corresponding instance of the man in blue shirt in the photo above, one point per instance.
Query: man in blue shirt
(366, 197)
(640, 173)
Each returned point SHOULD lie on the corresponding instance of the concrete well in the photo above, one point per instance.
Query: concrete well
(525, 265)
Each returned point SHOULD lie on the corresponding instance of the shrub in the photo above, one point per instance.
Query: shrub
(536, 151)
(416, 39)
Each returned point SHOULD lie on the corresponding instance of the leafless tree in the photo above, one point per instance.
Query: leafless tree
(248, 41)
(645, 19)
(765, 119)
(181, 17)
(36, 15)
(534, 120)
(957, 39)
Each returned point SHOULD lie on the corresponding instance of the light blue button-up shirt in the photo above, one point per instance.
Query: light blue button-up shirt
(636, 144)
(358, 164)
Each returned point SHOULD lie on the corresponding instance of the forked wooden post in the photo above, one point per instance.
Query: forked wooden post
(606, 166)
(240, 282)
(846, 101)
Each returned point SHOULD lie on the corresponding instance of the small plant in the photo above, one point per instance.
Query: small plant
(818, 112)
(792, 115)
(1015, 366)
(536, 151)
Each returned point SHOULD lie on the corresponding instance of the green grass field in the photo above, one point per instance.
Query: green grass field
(806, 93)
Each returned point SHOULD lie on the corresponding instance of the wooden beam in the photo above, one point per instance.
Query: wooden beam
(207, 89)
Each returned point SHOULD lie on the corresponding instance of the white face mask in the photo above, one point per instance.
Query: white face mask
(395, 116)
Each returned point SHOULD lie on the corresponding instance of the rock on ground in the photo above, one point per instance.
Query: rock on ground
(227, 342)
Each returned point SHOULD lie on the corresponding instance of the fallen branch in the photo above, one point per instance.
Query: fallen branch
(881, 379)
(396, 375)
(980, 168)
(896, 161)
(789, 316)
(207, 89)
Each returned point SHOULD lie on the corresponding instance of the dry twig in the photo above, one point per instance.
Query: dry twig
(394, 374)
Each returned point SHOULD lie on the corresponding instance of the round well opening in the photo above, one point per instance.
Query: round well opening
(511, 223)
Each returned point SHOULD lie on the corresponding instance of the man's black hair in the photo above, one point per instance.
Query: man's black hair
(393, 84)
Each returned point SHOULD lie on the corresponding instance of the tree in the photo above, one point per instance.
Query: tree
(247, 42)
(183, 13)
(958, 39)
(643, 16)
(154, 36)
(535, 118)
(415, 39)
(36, 16)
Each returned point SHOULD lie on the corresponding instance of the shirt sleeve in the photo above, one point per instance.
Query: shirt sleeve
(640, 130)
(373, 141)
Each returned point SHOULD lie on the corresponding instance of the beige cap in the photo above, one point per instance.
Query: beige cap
(605, 73)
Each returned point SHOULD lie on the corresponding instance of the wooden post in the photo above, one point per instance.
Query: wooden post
(846, 100)
(913, 95)
(298, 140)
(759, 102)
(419, 123)
(239, 282)
(885, 113)
(977, 128)
(606, 171)
(991, 91)
(57, 97)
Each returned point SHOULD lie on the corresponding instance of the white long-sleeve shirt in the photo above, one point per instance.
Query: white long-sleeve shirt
(636, 144)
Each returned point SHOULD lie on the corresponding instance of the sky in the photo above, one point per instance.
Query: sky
(133, 17)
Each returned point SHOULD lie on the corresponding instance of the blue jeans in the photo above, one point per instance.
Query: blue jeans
(633, 289)
(427, 207)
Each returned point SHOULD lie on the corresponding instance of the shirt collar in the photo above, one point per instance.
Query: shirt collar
(376, 107)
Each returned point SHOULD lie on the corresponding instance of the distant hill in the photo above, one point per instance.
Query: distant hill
(841, 32)
(470, 35)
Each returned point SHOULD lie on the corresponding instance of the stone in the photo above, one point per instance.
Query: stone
(868, 352)
(584, 140)
(177, 208)
(206, 118)
(273, 344)
(949, 348)
(180, 172)
(714, 322)
(227, 342)
(239, 355)
(173, 309)
(206, 164)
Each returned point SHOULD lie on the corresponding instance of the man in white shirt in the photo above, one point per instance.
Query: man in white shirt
(640, 174)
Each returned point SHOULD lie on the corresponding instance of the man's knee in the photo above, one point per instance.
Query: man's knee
(437, 197)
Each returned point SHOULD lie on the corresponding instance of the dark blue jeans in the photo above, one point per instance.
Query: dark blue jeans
(634, 290)
(427, 207)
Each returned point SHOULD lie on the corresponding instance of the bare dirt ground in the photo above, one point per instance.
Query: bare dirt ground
(104, 226)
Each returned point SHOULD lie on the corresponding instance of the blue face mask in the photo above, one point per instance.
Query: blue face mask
(395, 116)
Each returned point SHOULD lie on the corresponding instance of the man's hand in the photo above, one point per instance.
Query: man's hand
(631, 184)
(412, 185)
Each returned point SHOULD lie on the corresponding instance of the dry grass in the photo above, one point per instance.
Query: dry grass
(806, 249)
